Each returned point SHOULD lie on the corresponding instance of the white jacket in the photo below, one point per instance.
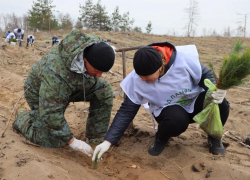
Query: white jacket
(18, 34)
(179, 86)
(9, 36)
(32, 36)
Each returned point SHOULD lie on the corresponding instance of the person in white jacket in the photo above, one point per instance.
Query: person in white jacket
(30, 39)
(10, 36)
(171, 80)
(19, 33)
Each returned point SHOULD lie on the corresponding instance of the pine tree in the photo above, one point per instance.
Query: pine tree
(149, 27)
(101, 18)
(34, 16)
(137, 29)
(65, 21)
(95, 17)
(86, 14)
(41, 17)
(78, 25)
(116, 19)
(126, 23)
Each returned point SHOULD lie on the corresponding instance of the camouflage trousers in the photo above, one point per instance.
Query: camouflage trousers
(97, 91)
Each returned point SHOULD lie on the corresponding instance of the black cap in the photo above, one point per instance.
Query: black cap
(147, 60)
(30, 37)
(101, 56)
(18, 30)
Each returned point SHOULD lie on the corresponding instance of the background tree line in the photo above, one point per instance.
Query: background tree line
(92, 16)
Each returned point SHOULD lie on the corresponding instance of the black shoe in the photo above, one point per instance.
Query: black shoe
(215, 146)
(157, 147)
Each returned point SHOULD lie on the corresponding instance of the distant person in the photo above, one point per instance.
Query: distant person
(19, 33)
(7, 33)
(10, 36)
(30, 40)
(55, 40)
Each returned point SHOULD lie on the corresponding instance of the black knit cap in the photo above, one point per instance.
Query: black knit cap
(147, 61)
(101, 56)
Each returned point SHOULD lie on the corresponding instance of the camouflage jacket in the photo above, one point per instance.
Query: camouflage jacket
(59, 77)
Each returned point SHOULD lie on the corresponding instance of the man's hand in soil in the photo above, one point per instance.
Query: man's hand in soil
(101, 148)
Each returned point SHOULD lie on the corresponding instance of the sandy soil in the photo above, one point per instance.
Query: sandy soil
(186, 157)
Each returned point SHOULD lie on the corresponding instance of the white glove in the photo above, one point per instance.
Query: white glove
(101, 148)
(219, 95)
(81, 146)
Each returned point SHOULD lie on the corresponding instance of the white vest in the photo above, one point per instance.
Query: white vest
(9, 36)
(179, 86)
(18, 34)
(32, 36)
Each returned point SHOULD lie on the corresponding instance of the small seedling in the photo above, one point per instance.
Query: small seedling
(23, 56)
(22, 106)
(96, 162)
(12, 40)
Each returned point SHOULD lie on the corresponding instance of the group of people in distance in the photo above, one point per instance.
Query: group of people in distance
(18, 34)
(169, 78)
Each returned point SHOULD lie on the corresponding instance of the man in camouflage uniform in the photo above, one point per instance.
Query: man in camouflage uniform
(68, 73)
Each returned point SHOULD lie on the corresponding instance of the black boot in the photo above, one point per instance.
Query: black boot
(215, 146)
(157, 147)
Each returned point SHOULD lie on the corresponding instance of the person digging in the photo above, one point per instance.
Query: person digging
(70, 72)
(171, 80)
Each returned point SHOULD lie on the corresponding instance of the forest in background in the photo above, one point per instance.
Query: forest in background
(41, 16)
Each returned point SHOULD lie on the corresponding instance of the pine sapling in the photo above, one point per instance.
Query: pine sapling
(235, 67)
(95, 166)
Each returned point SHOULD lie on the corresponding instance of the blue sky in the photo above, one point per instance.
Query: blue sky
(167, 16)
